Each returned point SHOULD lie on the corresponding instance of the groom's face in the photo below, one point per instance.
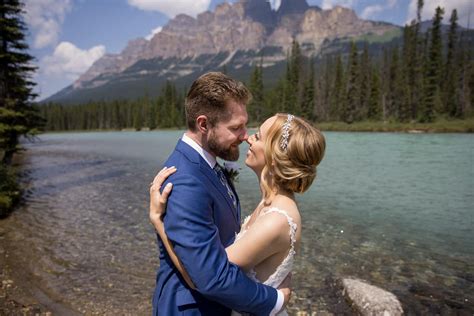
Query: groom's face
(226, 136)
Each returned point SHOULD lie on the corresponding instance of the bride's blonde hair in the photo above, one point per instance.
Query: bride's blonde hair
(292, 168)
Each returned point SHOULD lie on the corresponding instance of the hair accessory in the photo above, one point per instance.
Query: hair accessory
(286, 132)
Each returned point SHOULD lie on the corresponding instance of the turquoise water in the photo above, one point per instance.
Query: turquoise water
(393, 209)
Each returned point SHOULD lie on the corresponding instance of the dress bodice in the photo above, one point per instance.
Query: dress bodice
(285, 267)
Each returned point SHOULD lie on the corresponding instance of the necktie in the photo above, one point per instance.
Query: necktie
(223, 179)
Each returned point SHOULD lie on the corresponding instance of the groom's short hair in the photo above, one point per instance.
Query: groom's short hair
(209, 95)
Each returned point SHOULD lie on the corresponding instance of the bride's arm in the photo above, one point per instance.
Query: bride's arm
(157, 210)
(268, 235)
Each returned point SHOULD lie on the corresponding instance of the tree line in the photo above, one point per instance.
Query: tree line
(428, 75)
(166, 111)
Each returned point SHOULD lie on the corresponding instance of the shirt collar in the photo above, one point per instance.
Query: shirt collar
(210, 159)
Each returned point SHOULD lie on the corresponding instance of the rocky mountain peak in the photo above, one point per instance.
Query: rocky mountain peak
(292, 7)
(245, 25)
(135, 47)
(260, 11)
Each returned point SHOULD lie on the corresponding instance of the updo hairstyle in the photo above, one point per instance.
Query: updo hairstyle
(294, 168)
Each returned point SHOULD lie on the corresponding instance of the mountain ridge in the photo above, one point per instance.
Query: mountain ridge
(247, 25)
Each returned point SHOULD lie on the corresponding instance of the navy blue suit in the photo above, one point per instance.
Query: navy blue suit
(201, 221)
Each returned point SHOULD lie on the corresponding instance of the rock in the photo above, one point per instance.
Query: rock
(292, 7)
(370, 300)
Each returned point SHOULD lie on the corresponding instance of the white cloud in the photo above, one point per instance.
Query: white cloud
(153, 32)
(329, 4)
(70, 61)
(172, 7)
(44, 18)
(373, 10)
(463, 7)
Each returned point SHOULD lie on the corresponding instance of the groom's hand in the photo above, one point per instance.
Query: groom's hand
(285, 288)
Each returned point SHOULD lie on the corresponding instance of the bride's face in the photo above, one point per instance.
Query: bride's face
(256, 153)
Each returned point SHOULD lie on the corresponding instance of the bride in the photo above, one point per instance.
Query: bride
(283, 154)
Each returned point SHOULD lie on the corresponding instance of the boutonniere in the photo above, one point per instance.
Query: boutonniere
(231, 170)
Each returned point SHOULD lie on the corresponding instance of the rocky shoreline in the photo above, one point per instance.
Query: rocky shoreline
(354, 296)
(15, 299)
(18, 294)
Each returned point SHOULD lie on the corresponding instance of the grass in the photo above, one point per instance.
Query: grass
(439, 126)
(383, 38)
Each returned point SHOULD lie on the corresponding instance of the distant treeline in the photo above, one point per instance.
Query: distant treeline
(430, 75)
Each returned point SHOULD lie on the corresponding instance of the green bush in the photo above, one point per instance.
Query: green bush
(9, 190)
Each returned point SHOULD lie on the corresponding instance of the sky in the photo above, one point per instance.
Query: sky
(67, 36)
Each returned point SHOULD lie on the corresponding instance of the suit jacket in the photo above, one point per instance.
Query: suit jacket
(201, 221)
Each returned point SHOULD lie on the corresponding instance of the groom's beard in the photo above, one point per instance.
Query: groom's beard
(230, 153)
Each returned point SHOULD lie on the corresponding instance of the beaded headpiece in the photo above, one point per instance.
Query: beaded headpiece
(286, 132)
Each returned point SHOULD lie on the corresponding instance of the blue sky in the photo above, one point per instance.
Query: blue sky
(67, 36)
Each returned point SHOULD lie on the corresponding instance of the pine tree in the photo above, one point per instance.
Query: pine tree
(408, 64)
(452, 74)
(169, 109)
(319, 108)
(326, 89)
(396, 96)
(152, 116)
(272, 100)
(471, 90)
(287, 91)
(291, 86)
(364, 83)
(466, 82)
(18, 117)
(17, 114)
(353, 91)
(434, 68)
(338, 91)
(404, 95)
(137, 116)
(374, 104)
(307, 100)
(415, 64)
(419, 7)
(255, 107)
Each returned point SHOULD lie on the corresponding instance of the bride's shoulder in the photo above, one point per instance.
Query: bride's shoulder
(279, 214)
(286, 206)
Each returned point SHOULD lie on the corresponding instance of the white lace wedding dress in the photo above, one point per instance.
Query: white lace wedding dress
(286, 265)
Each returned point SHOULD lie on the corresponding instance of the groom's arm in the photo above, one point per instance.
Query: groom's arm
(189, 225)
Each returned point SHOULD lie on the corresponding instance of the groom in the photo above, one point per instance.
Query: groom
(203, 210)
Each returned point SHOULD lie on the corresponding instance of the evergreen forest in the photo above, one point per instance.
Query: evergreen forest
(427, 77)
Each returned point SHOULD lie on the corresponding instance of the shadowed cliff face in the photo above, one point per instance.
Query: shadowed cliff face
(247, 25)
(292, 7)
(260, 11)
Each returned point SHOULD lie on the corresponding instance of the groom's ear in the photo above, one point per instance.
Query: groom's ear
(202, 124)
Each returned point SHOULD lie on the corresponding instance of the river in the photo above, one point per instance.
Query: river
(394, 209)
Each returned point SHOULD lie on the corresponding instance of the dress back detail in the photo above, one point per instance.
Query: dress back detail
(285, 267)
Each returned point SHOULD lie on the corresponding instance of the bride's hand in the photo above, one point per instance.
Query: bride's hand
(158, 201)
(285, 288)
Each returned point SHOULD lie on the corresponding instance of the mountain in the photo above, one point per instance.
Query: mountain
(235, 36)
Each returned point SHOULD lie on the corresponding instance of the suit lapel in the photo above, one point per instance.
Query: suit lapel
(194, 157)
